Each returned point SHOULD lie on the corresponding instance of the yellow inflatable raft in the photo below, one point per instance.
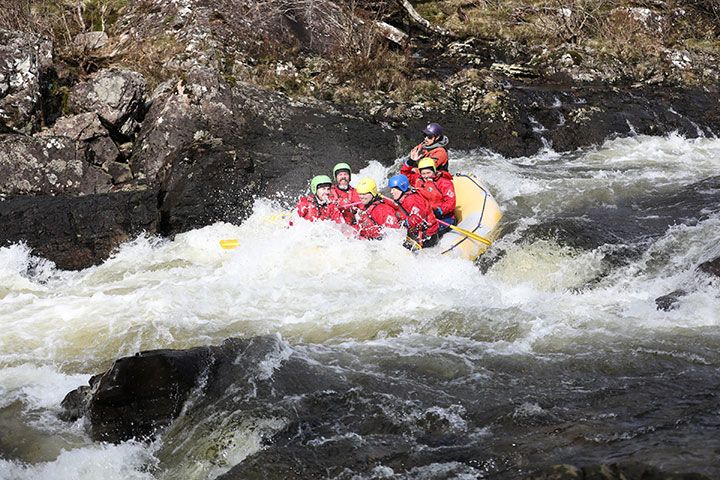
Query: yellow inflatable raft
(476, 211)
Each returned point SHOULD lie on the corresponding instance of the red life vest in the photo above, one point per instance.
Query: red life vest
(421, 221)
(309, 209)
(373, 217)
(344, 199)
(429, 191)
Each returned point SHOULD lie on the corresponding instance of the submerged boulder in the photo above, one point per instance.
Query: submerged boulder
(143, 393)
(671, 300)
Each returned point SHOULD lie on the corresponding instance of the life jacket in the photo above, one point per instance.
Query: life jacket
(346, 200)
(437, 152)
(309, 209)
(421, 221)
(374, 216)
(429, 191)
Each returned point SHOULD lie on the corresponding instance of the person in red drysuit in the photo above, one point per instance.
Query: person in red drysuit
(432, 146)
(343, 194)
(436, 187)
(375, 213)
(318, 205)
(414, 211)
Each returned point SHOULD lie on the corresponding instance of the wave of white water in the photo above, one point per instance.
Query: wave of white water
(311, 283)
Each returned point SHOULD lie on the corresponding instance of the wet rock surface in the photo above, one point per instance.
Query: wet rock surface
(612, 471)
(313, 412)
(77, 231)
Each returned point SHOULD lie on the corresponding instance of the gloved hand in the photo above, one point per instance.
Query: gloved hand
(411, 163)
(438, 212)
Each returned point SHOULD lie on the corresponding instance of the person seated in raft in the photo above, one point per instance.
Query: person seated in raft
(343, 194)
(414, 212)
(318, 205)
(375, 213)
(432, 146)
(437, 188)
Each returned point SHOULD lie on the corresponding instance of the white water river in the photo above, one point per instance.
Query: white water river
(313, 286)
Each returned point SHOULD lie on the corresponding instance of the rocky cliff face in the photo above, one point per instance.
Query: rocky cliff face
(169, 116)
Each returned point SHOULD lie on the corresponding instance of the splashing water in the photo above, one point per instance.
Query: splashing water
(536, 333)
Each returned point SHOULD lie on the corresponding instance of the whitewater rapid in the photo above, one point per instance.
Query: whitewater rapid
(313, 286)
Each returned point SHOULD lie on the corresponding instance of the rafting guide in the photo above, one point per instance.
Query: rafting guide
(432, 146)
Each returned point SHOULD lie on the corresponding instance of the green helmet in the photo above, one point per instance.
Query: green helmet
(319, 181)
(341, 166)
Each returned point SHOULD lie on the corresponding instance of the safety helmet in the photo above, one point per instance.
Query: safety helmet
(434, 130)
(400, 182)
(319, 181)
(427, 162)
(340, 167)
(367, 185)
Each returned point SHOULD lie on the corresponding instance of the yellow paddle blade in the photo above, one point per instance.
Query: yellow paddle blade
(230, 243)
(472, 235)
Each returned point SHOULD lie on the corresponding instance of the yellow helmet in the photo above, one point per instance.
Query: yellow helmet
(367, 185)
(427, 162)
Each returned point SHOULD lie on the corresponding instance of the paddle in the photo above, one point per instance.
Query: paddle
(467, 233)
(230, 243)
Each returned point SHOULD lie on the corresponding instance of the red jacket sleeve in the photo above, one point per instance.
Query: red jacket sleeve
(448, 202)
(303, 208)
(410, 172)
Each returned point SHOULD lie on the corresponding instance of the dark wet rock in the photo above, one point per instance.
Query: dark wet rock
(24, 60)
(76, 232)
(711, 267)
(208, 184)
(117, 96)
(670, 301)
(613, 471)
(143, 393)
(140, 394)
(47, 165)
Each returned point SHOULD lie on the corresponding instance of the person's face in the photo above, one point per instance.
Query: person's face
(429, 139)
(427, 173)
(365, 197)
(396, 193)
(343, 179)
(322, 193)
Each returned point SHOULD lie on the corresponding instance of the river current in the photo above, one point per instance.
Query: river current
(550, 350)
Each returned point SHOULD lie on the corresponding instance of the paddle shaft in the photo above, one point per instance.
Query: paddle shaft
(467, 233)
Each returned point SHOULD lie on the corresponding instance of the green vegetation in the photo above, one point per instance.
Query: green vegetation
(341, 51)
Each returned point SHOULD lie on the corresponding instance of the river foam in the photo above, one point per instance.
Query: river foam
(314, 285)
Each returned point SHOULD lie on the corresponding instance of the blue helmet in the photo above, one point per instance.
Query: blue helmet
(433, 130)
(400, 182)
